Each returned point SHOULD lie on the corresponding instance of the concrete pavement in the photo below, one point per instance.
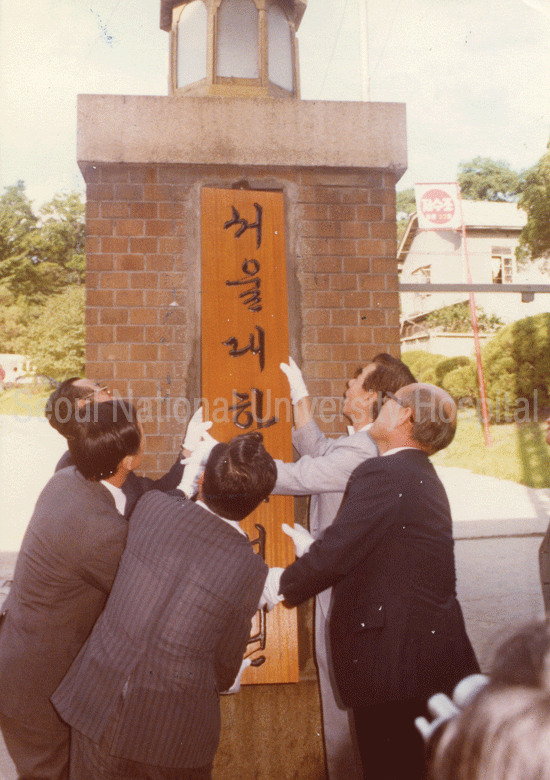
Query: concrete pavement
(498, 526)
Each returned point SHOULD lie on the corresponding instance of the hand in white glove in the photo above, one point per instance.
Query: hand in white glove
(195, 430)
(271, 596)
(298, 389)
(195, 463)
(236, 687)
(300, 536)
(442, 708)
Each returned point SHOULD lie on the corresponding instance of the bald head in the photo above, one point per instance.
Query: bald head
(433, 415)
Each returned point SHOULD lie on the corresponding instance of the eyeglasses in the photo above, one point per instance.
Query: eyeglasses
(386, 394)
(97, 388)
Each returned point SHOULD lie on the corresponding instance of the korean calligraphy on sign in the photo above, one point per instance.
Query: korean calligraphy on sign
(244, 339)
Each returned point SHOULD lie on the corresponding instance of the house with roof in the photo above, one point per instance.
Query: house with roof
(439, 256)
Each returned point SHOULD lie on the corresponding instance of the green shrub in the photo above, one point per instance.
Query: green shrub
(517, 364)
(461, 384)
(443, 367)
(422, 364)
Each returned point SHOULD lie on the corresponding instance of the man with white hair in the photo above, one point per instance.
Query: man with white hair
(396, 628)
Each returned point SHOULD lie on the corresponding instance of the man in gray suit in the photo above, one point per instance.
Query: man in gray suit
(64, 572)
(142, 698)
(322, 472)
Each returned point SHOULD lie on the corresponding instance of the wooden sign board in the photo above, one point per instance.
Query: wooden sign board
(244, 339)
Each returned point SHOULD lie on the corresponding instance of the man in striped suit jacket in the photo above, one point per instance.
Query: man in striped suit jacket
(142, 697)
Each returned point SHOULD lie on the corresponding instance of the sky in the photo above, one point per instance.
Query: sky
(474, 74)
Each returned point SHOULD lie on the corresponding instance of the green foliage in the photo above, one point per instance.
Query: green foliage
(519, 452)
(517, 363)
(485, 179)
(535, 200)
(443, 367)
(62, 237)
(405, 204)
(461, 383)
(457, 319)
(55, 339)
(40, 256)
(422, 364)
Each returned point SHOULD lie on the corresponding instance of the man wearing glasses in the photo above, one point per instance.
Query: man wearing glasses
(396, 628)
(322, 472)
(68, 401)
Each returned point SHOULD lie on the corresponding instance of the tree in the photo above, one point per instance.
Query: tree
(517, 363)
(405, 206)
(535, 200)
(457, 318)
(40, 257)
(62, 236)
(55, 339)
(485, 179)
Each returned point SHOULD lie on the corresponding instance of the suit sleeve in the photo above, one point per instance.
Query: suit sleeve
(169, 481)
(325, 473)
(232, 645)
(100, 562)
(370, 506)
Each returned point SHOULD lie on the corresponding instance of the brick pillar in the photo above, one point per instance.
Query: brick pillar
(145, 161)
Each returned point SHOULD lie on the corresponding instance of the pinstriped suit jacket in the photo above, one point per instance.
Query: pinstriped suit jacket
(145, 685)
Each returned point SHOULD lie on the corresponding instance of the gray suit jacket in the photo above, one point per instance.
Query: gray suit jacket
(64, 572)
(322, 472)
(172, 635)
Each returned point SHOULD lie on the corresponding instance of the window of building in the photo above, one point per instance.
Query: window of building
(422, 275)
(502, 265)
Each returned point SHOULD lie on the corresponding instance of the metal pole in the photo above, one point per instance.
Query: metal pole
(473, 313)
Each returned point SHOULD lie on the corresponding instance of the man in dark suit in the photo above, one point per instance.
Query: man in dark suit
(142, 698)
(64, 572)
(396, 629)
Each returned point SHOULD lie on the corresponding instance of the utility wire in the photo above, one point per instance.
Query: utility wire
(333, 50)
(390, 29)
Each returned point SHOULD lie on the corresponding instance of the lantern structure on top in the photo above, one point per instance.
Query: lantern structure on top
(241, 48)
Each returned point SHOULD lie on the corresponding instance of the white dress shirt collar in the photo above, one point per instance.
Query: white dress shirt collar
(234, 523)
(118, 495)
(367, 427)
(398, 449)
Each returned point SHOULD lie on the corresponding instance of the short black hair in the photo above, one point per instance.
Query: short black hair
(390, 374)
(238, 476)
(402, 374)
(102, 435)
(62, 404)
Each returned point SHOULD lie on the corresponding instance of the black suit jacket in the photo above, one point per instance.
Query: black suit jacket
(396, 627)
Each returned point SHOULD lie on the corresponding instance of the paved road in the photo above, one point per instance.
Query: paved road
(497, 524)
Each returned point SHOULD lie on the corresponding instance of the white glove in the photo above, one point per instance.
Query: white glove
(298, 389)
(442, 708)
(195, 429)
(195, 463)
(300, 536)
(236, 687)
(271, 597)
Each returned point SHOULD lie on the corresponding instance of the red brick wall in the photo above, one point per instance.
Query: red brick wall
(143, 254)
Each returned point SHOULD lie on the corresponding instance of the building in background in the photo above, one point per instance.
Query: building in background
(437, 256)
